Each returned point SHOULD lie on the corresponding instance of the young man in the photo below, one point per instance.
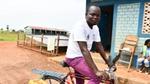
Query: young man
(145, 56)
(80, 42)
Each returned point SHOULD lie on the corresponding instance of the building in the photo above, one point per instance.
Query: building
(123, 17)
(52, 37)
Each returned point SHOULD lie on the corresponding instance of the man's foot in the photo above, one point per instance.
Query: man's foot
(140, 71)
(146, 70)
(146, 73)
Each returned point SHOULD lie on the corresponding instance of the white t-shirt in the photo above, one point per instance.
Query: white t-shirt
(81, 32)
(146, 52)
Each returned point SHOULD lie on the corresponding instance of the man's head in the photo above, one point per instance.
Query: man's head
(147, 43)
(93, 13)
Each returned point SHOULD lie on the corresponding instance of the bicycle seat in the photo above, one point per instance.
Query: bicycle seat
(64, 64)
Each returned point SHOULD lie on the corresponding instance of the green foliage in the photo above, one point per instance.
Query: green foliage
(8, 36)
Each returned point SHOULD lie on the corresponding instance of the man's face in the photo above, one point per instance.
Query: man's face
(148, 44)
(93, 15)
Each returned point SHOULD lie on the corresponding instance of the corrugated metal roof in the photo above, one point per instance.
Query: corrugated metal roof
(45, 28)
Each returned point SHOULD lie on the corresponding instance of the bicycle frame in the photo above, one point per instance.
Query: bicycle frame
(62, 78)
(71, 74)
(110, 71)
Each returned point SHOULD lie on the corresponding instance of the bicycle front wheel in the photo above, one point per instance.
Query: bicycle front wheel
(54, 80)
(52, 76)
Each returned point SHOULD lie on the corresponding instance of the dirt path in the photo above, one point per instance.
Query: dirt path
(16, 63)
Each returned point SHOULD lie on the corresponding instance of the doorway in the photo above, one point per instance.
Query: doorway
(105, 26)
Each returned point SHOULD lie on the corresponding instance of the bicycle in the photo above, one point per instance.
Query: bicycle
(61, 78)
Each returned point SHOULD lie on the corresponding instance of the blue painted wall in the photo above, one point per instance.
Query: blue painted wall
(122, 26)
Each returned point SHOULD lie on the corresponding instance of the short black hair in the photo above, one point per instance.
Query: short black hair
(89, 5)
(147, 41)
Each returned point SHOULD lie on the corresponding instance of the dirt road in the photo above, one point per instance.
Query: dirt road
(16, 63)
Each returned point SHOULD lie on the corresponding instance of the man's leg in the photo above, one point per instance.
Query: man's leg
(80, 65)
(142, 66)
(79, 78)
(146, 62)
(146, 65)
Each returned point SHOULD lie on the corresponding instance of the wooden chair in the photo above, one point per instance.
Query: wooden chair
(128, 47)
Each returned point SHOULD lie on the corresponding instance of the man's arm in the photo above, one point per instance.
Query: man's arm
(87, 56)
(89, 60)
(101, 51)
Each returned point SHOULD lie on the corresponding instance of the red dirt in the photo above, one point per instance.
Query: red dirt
(16, 64)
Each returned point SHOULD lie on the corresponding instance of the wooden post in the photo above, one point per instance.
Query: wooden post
(57, 46)
(24, 39)
(41, 44)
(18, 39)
(31, 41)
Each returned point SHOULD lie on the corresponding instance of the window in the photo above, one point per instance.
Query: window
(146, 19)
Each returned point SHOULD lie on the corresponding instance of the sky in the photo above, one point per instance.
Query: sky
(44, 13)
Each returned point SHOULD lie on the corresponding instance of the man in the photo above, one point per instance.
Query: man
(145, 57)
(80, 42)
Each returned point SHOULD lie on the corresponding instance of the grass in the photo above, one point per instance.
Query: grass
(8, 36)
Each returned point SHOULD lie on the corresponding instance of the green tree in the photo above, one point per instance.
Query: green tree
(13, 30)
(1, 30)
(7, 27)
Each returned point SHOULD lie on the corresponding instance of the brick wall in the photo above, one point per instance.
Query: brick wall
(127, 22)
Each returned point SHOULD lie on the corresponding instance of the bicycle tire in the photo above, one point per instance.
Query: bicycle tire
(51, 76)
(54, 80)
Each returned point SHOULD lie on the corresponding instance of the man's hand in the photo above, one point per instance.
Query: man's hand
(148, 58)
(110, 64)
(102, 74)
